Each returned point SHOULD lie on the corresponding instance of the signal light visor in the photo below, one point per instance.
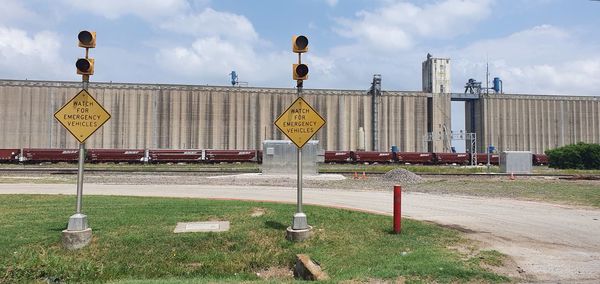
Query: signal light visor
(300, 71)
(85, 66)
(300, 44)
(87, 39)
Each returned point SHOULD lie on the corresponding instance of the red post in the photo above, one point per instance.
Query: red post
(397, 209)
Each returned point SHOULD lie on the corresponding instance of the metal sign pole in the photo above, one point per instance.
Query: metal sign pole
(78, 234)
(299, 180)
(299, 166)
(80, 176)
(299, 222)
(299, 123)
(78, 222)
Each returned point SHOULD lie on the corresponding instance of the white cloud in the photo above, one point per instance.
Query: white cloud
(399, 25)
(544, 60)
(578, 77)
(212, 23)
(350, 67)
(146, 9)
(211, 59)
(14, 11)
(208, 57)
(223, 42)
(37, 56)
(331, 2)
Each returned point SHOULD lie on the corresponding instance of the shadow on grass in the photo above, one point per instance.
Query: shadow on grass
(275, 225)
(58, 229)
(392, 232)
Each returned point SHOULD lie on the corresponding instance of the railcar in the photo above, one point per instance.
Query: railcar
(539, 159)
(452, 158)
(372, 157)
(423, 158)
(34, 155)
(494, 159)
(9, 155)
(176, 156)
(116, 155)
(338, 157)
(231, 156)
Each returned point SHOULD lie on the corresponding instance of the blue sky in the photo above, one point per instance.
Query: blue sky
(535, 46)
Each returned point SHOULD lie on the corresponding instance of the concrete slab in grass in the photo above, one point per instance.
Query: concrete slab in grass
(191, 227)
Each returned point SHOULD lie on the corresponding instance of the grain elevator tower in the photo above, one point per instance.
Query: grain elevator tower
(436, 75)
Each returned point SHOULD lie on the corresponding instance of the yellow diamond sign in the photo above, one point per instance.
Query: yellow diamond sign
(300, 122)
(82, 116)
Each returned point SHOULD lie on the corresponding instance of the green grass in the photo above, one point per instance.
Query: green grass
(442, 169)
(489, 257)
(555, 191)
(133, 240)
(547, 170)
(384, 168)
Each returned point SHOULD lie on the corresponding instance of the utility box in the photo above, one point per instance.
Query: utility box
(280, 157)
(517, 162)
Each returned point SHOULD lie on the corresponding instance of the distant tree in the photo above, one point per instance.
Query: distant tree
(575, 156)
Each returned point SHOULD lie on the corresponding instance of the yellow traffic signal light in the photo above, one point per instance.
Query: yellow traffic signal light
(85, 66)
(300, 72)
(300, 44)
(87, 39)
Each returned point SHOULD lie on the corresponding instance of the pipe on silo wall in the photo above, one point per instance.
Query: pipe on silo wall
(596, 121)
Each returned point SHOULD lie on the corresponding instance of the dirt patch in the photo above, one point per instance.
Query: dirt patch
(483, 253)
(257, 212)
(279, 273)
(478, 252)
(510, 269)
(398, 280)
(193, 265)
(458, 228)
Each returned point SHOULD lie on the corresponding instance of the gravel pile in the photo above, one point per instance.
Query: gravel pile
(402, 176)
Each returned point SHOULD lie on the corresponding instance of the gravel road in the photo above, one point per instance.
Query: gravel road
(549, 243)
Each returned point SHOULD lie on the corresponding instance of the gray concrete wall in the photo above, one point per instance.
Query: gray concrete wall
(177, 116)
(440, 123)
(533, 123)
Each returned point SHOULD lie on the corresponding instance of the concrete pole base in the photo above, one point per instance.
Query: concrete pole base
(298, 235)
(299, 222)
(77, 222)
(73, 240)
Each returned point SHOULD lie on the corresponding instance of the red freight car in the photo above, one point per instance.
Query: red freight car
(175, 156)
(116, 155)
(494, 159)
(540, 159)
(372, 157)
(415, 158)
(9, 155)
(230, 156)
(452, 158)
(49, 155)
(338, 156)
